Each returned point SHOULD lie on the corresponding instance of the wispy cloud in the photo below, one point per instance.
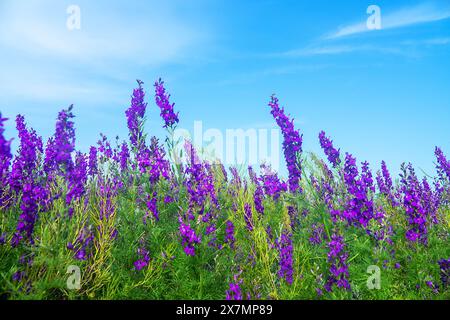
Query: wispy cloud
(422, 13)
(44, 60)
(324, 49)
(149, 37)
(318, 50)
(428, 42)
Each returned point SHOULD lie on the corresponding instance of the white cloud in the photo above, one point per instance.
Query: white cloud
(151, 37)
(318, 50)
(42, 59)
(422, 13)
(338, 49)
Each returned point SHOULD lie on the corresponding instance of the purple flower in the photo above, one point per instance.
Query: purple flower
(92, 161)
(234, 292)
(107, 190)
(162, 101)
(443, 166)
(3, 238)
(327, 146)
(318, 234)
(444, 266)
(285, 249)
(292, 144)
(77, 179)
(236, 181)
(337, 257)
(199, 182)
(430, 200)
(412, 202)
(26, 162)
(5, 162)
(229, 234)
(248, 216)
(135, 117)
(83, 244)
(258, 198)
(253, 175)
(359, 208)
(152, 160)
(272, 185)
(152, 207)
(124, 156)
(144, 258)
(104, 147)
(384, 182)
(224, 172)
(188, 238)
(58, 153)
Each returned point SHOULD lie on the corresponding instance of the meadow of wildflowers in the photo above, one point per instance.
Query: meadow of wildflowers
(141, 224)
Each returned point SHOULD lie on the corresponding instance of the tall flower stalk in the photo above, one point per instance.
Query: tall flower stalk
(292, 144)
(135, 117)
(327, 146)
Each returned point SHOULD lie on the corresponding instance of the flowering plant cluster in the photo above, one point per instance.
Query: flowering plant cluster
(141, 223)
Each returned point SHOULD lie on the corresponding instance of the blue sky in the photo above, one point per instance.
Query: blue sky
(380, 94)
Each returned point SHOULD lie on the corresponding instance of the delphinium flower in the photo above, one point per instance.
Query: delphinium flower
(417, 215)
(26, 162)
(21, 276)
(77, 180)
(5, 162)
(144, 257)
(327, 146)
(285, 250)
(92, 163)
(153, 161)
(2, 238)
(104, 147)
(430, 201)
(359, 207)
(188, 237)
(234, 292)
(83, 244)
(152, 207)
(258, 198)
(236, 180)
(252, 174)
(443, 166)
(224, 172)
(272, 185)
(199, 184)
(384, 182)
(135, 117)
(293, 217)
(124, 156)
(32, 196)
(229, 234)
(248, 216)
(318, 234)
(58, 153)
(337, 257)
(444, 266)
(211, 229)
(162, 101)
(107, 190)
(292, 144)
(24, 179)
